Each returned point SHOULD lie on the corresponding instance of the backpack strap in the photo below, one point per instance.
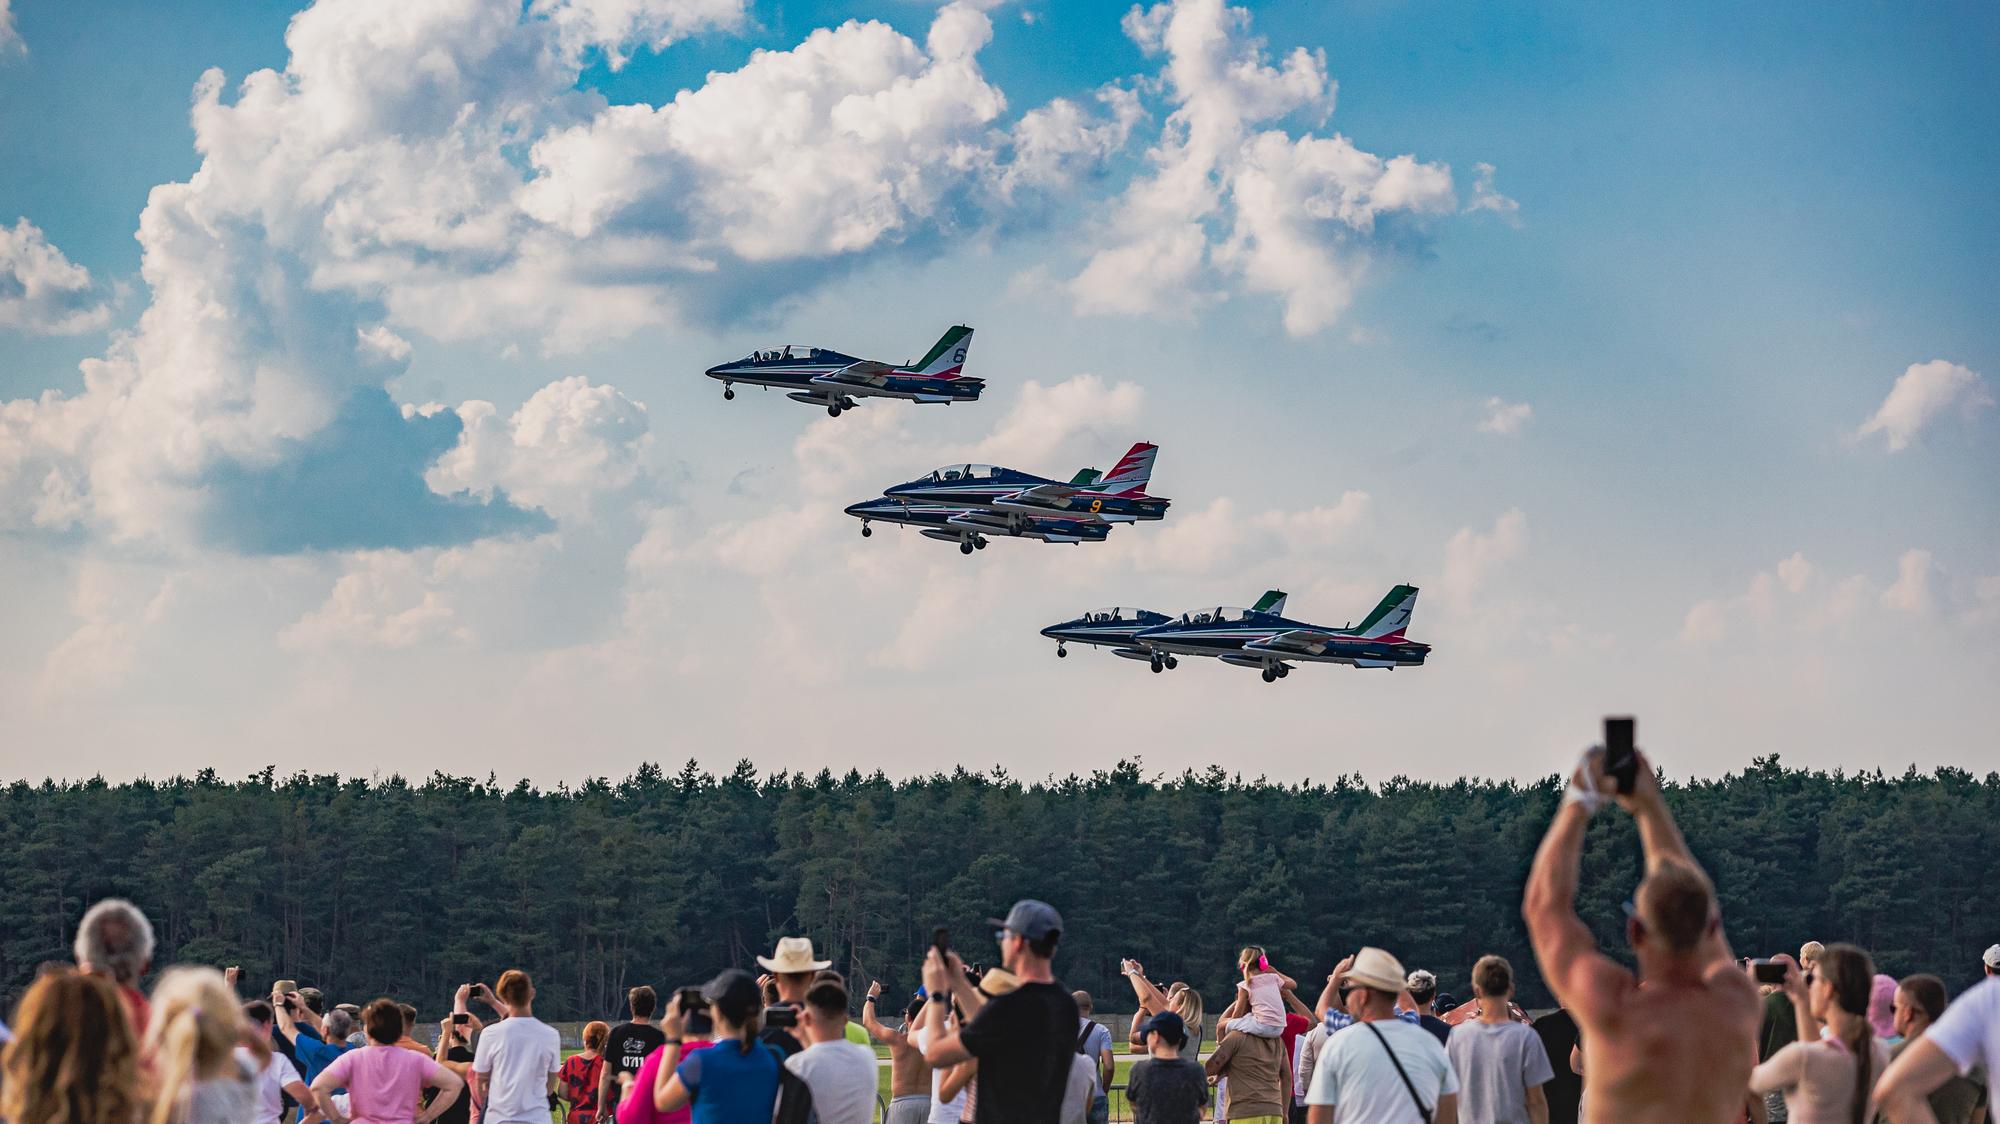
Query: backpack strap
(1400, 1072)
(1083, 1035)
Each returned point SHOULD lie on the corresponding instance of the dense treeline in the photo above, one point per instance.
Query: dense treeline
(389, 887)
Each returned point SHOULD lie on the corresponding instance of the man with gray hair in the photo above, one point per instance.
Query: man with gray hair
(115, 941)
(315, 1041)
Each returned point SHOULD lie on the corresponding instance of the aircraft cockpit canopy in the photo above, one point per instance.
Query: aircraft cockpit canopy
(952, 473)
(781, 352)
(1107, 616)
(1225, 614)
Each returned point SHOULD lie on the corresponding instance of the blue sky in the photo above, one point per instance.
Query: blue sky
(1712, 242)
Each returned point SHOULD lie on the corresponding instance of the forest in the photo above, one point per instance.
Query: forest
(394, 887)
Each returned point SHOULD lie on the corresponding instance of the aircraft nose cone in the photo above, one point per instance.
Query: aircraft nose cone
(1053, 632)
(716, 371)
(865, 507)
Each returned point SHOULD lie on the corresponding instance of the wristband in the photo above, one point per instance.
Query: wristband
(671, 1042)
(938, 997)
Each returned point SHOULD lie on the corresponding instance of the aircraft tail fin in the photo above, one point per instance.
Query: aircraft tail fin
(1133, 471)
(946, 358)
(1084, 478)
(1390, 616)
(1272, 602)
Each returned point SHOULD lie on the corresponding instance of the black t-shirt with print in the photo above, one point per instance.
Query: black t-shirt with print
(625, 1050)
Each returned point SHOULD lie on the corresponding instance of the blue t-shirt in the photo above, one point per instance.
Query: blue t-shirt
(1096, 1043)
(728, 1086)
(314, 1055)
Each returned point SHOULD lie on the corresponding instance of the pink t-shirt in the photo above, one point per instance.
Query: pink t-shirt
(637, 1107)
(1267, 1001)
(384, 1083)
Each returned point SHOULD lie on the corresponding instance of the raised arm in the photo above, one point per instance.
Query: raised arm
(1661, 842)
(944, 975)
(1329, 996)
(1151, 1000)
(873, 1025)
(1582, 978)
(1298, 1005)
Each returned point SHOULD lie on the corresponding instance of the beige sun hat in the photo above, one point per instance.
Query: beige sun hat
(1377, 969)
(794, 954)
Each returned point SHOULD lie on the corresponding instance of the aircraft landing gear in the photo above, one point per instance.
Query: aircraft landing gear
(1171, 663)
(833, 409)
(866, 530)
(979, 543)
(728, 392)
(1270, 676)
(1062, 653)
(1159, 665)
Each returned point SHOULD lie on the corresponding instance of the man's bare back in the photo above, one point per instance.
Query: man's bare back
(1671, 1054)
(1679, 1048)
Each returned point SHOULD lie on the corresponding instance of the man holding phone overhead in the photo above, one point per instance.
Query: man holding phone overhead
(1676, 1044)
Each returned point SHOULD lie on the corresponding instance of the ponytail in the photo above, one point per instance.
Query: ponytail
(173, 1053)
(1852, 976)
(747, 1031)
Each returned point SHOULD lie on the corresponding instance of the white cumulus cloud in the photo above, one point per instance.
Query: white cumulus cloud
(1923, 393)
(1472, 555)
(42, 292)
(1279, 214)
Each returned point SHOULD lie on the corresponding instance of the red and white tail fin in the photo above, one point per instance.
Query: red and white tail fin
(1133, 471)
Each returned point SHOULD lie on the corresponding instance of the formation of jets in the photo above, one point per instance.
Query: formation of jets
(964, 503)
(1259, 637)
(967, 503)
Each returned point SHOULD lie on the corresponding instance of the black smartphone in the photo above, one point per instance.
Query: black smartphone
(941, 940)
(1621, 759)
(1767, 971)
(691, 1000)
(461, 1019)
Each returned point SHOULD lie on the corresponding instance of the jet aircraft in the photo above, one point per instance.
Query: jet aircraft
(820, 377)
(968, 527)
(1268, 640)
(1116, 629)
(1119, 497)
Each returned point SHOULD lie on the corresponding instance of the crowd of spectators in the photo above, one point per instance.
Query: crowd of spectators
(1694, 1036)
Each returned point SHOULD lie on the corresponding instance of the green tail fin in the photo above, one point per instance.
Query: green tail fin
(1084, 478)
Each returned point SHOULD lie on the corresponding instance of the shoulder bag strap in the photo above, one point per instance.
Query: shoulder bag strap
(1400, 1072)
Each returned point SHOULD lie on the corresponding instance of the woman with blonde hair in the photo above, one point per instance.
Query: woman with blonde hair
(1179, 998)
(73, 1059)
(191, 1051)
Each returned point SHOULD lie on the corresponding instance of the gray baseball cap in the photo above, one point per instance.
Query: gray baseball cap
(1031, 919)
(1992, 957)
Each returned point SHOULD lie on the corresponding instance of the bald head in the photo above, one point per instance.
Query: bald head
(1676, 903)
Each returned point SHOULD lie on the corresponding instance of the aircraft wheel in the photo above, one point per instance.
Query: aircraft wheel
(965, 548)
(728, 394)
(1062, 653)
(1270, 676)
(1283, 671)
(866, 530)
(1158, 667)
(833, 409)
(979, 543)
(1172, 663)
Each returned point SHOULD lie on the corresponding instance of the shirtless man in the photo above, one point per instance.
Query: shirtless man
(1677, 1049)
(909, 1074)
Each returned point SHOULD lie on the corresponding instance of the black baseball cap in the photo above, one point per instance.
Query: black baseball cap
(1167, 1025)
(1031, 919)
(734, 990)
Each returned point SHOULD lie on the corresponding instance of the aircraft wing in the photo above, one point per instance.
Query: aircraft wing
(1309, 640)
(1052, 494)
(867, 372)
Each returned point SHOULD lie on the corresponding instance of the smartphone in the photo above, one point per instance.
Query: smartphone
(460, 1018)
(691, 1000)
(1621, 758)
(941, 940)
(1767, 971)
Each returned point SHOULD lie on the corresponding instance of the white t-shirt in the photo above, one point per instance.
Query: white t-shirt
(1969, 1030)
(842, 1077)
(517, 1056)
(270, 1085)
(1355, 1072)
(1497, 1063)
(1080, 1091)
(942, 1112)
